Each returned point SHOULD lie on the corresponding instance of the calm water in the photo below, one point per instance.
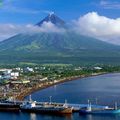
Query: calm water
(105, 89)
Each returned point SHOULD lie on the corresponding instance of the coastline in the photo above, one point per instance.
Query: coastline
(47, 84)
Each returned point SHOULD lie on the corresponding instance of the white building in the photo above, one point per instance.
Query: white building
(43, 79)
(97, 68)
(18, 68)
(7, 71)
(28, 69)
(14, 75)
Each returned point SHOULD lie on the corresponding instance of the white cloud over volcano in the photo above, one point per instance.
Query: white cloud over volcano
(9, 30)
(94, 25)
(91, 24)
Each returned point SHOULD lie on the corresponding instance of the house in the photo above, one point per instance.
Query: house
(97, 68)
(7, 71)
(44, 79)
(28, 69)
(8, 74)
(20, 82)
(18, 68)
(14, 75)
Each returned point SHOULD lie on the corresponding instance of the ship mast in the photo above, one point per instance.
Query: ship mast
(50, 98)
(30, 98)
(89, 106)
(116, 106)
(66, 105)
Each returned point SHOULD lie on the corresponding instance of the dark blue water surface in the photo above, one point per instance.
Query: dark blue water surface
(104, 88)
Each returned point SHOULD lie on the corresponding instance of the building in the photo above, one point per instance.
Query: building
(14, 75)
(28, 69)
(8, 74)
(97, 68)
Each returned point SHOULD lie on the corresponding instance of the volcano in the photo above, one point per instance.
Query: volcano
(68, 47)
(54, 19)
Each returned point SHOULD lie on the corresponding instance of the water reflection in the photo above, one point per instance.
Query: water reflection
(33, 116)
(100, 117)
(36, 116)
(68, 117)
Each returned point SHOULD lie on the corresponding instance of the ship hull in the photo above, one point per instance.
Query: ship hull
(9, 107)
(48, 111)
(100, 112)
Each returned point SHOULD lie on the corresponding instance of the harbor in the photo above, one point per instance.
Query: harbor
(53, 98)
(47, 107)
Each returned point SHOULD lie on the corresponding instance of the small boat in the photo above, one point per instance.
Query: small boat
(94, 110)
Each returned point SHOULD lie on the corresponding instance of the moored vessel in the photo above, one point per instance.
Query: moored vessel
(45, 108)
(9, 107)
(94, 110)
(49, 107)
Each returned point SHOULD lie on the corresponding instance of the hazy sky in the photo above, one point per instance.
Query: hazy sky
(102, 17)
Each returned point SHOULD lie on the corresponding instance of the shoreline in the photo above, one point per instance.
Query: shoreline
(47, 84)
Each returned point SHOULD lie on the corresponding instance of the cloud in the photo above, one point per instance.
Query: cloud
(9, 30)
(91, 24)
(94, 25)
(45, 27)
(110, 4)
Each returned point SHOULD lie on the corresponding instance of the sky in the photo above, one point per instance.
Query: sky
(97, 18)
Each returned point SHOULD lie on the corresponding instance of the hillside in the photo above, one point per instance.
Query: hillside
(55, 47)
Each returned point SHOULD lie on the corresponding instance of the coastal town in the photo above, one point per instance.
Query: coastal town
(18, 82)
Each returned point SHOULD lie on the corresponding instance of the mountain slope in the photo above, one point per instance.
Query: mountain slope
(56, 48)
(54, 41)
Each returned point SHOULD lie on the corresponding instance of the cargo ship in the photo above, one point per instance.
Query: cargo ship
(94, 110)
(45, 108)
(9, 107)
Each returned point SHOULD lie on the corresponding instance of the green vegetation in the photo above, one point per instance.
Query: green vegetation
(62, 71)
(54, 48)
(35, 76)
